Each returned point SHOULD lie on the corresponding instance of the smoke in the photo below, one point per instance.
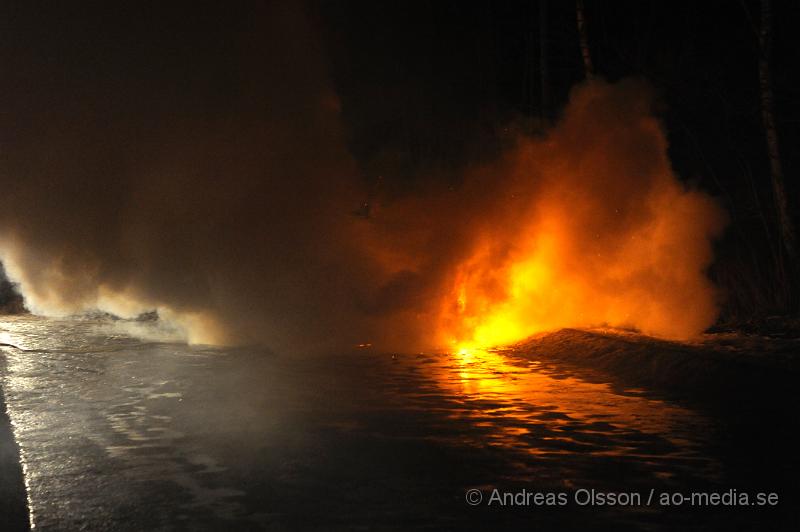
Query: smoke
(232, 209)
(220, 195)
(585, 226)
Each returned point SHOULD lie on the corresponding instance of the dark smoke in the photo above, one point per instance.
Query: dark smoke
(216, 189)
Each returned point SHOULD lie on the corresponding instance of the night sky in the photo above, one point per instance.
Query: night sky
(431, 83)
(440, 80)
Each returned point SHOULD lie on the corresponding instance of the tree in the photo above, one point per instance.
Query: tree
(785, 223)
(588, 67)
(544, 76)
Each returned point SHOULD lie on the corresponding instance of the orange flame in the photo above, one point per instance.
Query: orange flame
(597, 232)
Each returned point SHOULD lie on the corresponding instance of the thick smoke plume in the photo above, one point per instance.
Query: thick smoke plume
(232, 208)
(585, 226)
(219, 193)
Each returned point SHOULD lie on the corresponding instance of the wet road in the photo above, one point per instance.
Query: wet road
(123, 433)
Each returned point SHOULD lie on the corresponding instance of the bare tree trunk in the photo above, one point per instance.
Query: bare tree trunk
(580, 12)
(543, 71)
(768, 118)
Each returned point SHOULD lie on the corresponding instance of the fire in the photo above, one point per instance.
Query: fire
(585, 225)
(599, 232)
(498, 306)
(501, 304)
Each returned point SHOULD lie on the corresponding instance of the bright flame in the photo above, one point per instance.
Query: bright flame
(598, 232)
(500, 305)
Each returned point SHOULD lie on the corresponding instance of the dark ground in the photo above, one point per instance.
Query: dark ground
(13, 504)
(745, 383)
